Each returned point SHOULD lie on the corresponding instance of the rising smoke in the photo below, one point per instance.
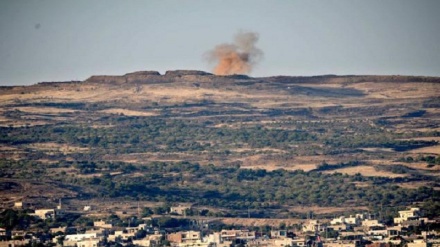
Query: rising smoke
(237, 58)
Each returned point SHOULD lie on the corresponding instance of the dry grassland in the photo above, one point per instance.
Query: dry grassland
(43, 110)
(427, 150)
(389, 90)
(56, 147)
(414, 185)
(367, 171)
(127, 112)
(325, 210)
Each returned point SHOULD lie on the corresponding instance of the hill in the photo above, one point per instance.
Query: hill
(228, 142)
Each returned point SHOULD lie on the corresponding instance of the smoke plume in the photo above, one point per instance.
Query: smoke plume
(237, 58)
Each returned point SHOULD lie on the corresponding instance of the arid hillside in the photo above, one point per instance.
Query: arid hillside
(84, 139)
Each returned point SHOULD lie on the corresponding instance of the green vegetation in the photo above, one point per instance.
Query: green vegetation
(139, 134)
(194, 147)
(232, 187)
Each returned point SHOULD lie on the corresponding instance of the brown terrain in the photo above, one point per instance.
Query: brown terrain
(403, 108)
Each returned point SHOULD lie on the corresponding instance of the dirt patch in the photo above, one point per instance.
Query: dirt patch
(427, 150)
(368, 171)
(31, 188)
(429, 138)
(361, 184)
(127, 112)
(389, 90)
(305, 167)
(378, 149)
(44, 110)
(415, 185)
(421, 166)
(325, 210)
(52, 147)
(268, 162)
(270, 150)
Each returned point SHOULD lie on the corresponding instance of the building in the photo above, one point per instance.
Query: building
(351, 236)
(185, 237)
(82, 240)
(342, 244)
(144, 242)
(313, 226)
(378, 244)
(339, 227)
(394, 231)
(232, 235)
(377, 231)
(102, 224)
(91, 242)
(407, 215)
(352, 220)
(299, 242)
(13, 243)
(215, 239)
(281, 242)
(366, 224)
(124, 235)
(278, 234)
(179, 209)
(48, 213)
(58, 229)
(418, 243)
(150, 240)
(18, 205)
(275, 242)
(337, 221)
(99, 232)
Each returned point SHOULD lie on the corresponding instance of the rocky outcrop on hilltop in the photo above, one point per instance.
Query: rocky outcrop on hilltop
(129, 77)
(153, 77)
(177, 73)
(196, 76)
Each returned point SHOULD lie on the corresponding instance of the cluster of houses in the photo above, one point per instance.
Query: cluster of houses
(354, 231)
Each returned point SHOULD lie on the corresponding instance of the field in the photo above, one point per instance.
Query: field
(188, 136)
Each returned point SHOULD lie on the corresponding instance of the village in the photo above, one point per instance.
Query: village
(409, 229)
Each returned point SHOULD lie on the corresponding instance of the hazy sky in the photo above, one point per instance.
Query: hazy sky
(42, 40)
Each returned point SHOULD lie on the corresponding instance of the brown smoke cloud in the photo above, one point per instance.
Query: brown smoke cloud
(237, 58)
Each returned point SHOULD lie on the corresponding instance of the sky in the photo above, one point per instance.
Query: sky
(51, 40)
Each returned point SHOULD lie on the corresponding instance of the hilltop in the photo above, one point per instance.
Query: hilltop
(191, 132)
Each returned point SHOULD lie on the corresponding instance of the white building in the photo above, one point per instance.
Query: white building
(407, 215)
(102, 224)
(368, 223)
(123, 235)
(313, 226)
(418, 243)
(91, 242)
(77, 237)
(352, 220)
(82, 240)
(149, 240)
(231, 235)
(48, 213)
(180, 209)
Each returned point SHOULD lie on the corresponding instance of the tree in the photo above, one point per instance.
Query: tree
(146, 212)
